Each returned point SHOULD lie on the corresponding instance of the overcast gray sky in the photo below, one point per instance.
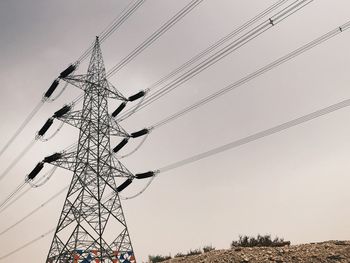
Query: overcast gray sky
(293, 184)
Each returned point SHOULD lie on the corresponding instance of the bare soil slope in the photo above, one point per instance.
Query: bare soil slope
(330, 251)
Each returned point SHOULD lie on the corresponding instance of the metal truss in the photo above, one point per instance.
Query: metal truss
(92, 227)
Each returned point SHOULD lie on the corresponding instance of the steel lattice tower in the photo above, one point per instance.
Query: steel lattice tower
(92, 207)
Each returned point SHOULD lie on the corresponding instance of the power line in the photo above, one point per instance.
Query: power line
(29, 215)
(58, 94)
(125, 14)
(222, 148)
(17, 159)
(164, 28)
(128, 11)
(12, 194)
(31, 144)
(6, 203)
(27, 244)
(219, 43)
(116, 23)
(135, 149)
(259, 135)
(21, 127)
(255, 74)
(245, 140)
(53, 197)
(150, 181)
(181, 163)
(226, 50)
(240, 82)
(40, 182)
(255, 32)
(204, 53)
(43, 180)
(15, 200)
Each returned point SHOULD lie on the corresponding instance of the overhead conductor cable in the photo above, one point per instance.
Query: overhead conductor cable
(243, 141)
(226, 50)
(43, 179)
(277, 18)
(28, 215)
(242, 81)
(9, 204)
(255, 32)
(259, 135)
(114, 25)
(39, 136)
(164, 28)
(27, 244)
(231, 145)
(257, 73)
(53, 197)
(12, 194)
(17, 159)
(264, 133)
(206, 52)
(104, 35)
(21, 127)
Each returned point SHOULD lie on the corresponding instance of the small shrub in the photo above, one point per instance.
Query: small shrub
(259, 241)
(207, 249)
(158, 258)
(194, 252)
(179, 255)
(189, 253)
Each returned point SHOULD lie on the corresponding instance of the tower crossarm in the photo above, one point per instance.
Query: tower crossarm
(67, 160)
(116, 129)
(82, 81)
(119, 170)
(72, 118)
(113, 93)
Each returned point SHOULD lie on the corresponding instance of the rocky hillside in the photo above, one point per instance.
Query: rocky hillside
(330, 251)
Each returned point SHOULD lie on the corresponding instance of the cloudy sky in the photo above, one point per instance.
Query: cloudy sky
(293, 184)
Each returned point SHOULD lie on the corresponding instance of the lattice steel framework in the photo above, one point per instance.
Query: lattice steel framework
(92, 211)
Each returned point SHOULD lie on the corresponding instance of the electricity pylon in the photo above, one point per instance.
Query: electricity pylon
(92, 227)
